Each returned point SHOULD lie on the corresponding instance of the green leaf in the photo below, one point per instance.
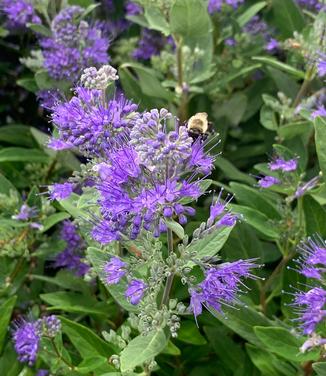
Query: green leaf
(315, 216)
(88, 365)
(287, 17)
(15, 154)
(44, 81)
(98, 258)
(228, 351)
(258, 200)
(257, 220)
(28, 84)
(53, 220)
(6, 186)
(281, 342)
(6, 309)
(85, 340)
(148, 81)
(246, 16)
(39, 29)
(279, 65)
(175, 227)
(189, 333)
(171, 349)
(73, 302)
(70, 204)
(231, 172)
(320, 368)
(267, 363)
(211, 244)
(190, 21)
(89, 9)
(242, 322)
(17, 134)
(291, 130)
(268, 118)
(156, 19)
(142, 349)
(320, 140)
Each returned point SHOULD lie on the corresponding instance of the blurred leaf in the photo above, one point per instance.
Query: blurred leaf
(73, 302)
(189, 333)
(315, 216)
(39, 29)
(28, 84)
(85, 340)
(319, 368)
(257, 220)
(171, 349)
(6, 309)
(141, 349)
(279, 65)
(16, 154)
(190, 21)
(281, 342)
(248, 14)
(320, 140)
(268, 118)
(6, 186)
(53, 220)
(256, 199)
(287, 17)
(88, 365)
(291, 130)
(231, 172)
(156, 19)
(17, 134)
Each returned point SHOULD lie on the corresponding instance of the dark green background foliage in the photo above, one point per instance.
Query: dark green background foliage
(257, 338)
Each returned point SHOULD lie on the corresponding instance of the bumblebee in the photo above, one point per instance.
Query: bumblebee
(198, 126)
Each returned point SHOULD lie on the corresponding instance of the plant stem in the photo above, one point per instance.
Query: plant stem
(182, 111)
(170, 278)
(266, 285)
(71, 366)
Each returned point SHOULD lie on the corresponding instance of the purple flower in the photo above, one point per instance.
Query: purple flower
(315, 5)
(321, 67)
(272, 45)
(19, 13)
(220, 286)
(25, 213)
(60, 191)
(42, 372)
(132, 9)
(311, 308)
(48, 98)
(150, 44)
(231, 42)
(321, 111)
(90, 124)
(51, 325)
(114, 270)
(301, 190)
(56, 144)
(73, 46)
(135, 291)
(313, 341)
(71, 257)
(312, 260)
(283, 165)
(26, 337)
(268, 181)
(216, 5)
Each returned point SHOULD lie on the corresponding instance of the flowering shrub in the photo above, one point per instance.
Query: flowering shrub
(163, 212)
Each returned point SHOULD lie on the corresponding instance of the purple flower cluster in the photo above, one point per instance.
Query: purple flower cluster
(315, 5)
(321, 65)
(277, 164)
(220, 286)
(144, 181)
(216, 5)
(151, 43)
(19, 13)
(321, 111)
(60, 191)
(49, 98)
(114, 270)
(90, 123)
(71, 257)
(74, 45)
(27, 336)
(132, 9)
(311, 304)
